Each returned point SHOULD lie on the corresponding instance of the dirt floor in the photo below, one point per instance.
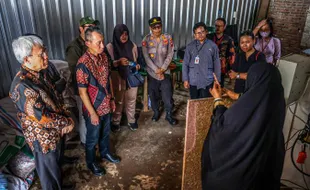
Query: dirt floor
(151, 156)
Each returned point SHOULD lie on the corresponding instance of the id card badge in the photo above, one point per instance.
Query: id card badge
(197, 60)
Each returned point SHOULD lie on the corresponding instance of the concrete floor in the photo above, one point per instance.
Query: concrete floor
(151, 156)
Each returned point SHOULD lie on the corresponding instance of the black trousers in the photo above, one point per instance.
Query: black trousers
(48, 166)
(200, 93)
(222, 79)
(160, 89)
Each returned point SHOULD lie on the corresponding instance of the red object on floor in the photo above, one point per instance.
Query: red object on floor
(301, 157)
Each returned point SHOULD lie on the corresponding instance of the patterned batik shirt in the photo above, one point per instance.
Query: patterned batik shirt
(40, 107)
(157, 54)
(226, 51)
(92, 72)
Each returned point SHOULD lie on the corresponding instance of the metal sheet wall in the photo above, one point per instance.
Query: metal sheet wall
(57, 22)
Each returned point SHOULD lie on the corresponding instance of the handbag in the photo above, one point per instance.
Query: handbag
(134, 78)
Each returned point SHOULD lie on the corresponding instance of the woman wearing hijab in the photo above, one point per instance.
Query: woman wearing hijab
(123, 51)
(244, 148)
(266, 42)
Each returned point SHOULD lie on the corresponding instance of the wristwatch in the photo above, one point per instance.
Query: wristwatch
(238, 75)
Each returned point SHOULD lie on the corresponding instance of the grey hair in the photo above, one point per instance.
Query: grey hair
(90, 30)
(22, 46)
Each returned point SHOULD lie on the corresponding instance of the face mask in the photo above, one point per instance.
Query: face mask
(264, 34)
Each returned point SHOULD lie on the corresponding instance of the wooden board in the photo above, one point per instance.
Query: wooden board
(198, 120)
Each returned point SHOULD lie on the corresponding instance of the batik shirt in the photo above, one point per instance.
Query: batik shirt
(92, 72)
(226, 48)
(40, 107)
(157, 54)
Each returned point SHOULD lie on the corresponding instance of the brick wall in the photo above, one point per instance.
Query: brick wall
(305, 40)
(289, 18)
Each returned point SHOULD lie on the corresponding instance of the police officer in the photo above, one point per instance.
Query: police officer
(157, 50)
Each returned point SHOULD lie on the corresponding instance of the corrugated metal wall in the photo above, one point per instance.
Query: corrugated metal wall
(57, 21)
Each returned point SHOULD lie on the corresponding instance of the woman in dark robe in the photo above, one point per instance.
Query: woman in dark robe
(244, 148)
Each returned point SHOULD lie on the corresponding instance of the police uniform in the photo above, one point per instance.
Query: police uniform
(158, 55)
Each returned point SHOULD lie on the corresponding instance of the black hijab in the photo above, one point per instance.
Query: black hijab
(122, 49)
(244, 148)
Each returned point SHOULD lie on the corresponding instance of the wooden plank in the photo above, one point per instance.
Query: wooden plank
(145, 95)
(198, 121)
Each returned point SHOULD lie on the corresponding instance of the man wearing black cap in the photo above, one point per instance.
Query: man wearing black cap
(158, 52)
(73, 52)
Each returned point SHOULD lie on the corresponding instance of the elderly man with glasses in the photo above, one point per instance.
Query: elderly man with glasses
(157, 50)
(201, 60)
(41, 109)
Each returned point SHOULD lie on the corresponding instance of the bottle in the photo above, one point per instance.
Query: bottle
(132, 66)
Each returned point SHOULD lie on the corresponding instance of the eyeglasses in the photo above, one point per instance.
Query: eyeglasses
(88, 25)
(44, 53)
(156, 27)
(200, 33)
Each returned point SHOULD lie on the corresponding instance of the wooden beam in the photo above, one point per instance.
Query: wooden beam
(262, 10)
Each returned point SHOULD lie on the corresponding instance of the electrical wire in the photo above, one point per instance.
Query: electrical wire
(300, 187)
(292, 138)
(298, 117)
(303, 176)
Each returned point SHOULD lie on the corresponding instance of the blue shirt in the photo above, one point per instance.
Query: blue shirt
(201, 74)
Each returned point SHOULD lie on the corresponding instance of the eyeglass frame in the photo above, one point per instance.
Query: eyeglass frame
(44, 52)
(200, 33)
(157, 26)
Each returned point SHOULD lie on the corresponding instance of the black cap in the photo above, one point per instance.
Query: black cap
(154, 20)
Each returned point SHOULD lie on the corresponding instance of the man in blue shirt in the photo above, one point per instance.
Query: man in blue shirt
(201, 60)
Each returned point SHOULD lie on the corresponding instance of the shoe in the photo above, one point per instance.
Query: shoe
(155, 116)
(133, 126)
(115, 128)
(70, 160)
(110, 158)
(170, 119)
(68, 187)
(96, 169)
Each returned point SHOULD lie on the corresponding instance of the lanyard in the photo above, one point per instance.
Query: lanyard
(200, 47)
(263, 48)
(218, 41)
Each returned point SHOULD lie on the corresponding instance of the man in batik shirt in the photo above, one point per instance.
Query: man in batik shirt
(226, 47)
(157, 50)
(92, 76)
(41, 110)
(74, 51)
